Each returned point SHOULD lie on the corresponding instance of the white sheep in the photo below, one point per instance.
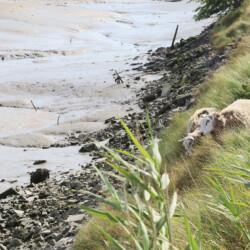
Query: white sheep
(236, 114)
(193, 129)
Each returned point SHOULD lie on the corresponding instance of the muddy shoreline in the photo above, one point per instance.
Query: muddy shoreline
(38, 216)
(63, 58)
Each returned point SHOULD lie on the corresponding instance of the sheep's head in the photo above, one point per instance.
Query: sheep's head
(188, 143)
(207, 123)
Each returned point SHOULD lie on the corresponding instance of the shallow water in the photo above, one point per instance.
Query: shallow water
(65, 57)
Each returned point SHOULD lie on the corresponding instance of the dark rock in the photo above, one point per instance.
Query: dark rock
(149, 98)
(111, 120)
(10, 191)
(15, 243)
(165, 108)
(181, 99)
(40, 175)
(88, 148)
(38, 162)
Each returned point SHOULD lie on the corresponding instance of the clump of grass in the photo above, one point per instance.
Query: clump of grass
(146, 213)
(221, 193)
(231, 27)
(90, 237)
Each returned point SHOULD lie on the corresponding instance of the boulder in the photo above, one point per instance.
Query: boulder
(149, 98)
(40, 175)
(88, 148)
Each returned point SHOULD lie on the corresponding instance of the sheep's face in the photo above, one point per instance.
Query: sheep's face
(188, 143)
(207, 124)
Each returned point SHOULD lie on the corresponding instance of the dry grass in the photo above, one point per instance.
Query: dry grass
(90, 237)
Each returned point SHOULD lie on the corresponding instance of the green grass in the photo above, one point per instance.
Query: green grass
(231, 27)
(90, 237)
(192, 174)
(218, 231)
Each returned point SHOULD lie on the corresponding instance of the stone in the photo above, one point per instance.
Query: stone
(19, 212)
(75, 218)
(10, 191)
(111, 120)
(2, 247)
(183, 81)
(40, 175)
(15, 243)
(52, 242)
(149, 98)
(88, 148)
(165, 108)
(38, 162)
(166, 89)
(180, 100)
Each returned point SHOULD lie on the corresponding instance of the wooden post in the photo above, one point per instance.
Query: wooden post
(33, 105)
(58, 117)
(176, 30)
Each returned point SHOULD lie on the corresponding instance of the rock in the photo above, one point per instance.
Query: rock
(166, 89)
(10, 191)
(111, 120)
(183, 81)
(2, 247)
(19, 212)
(75, 184)
(75, 218)
(15, 243)
(181, 99)
(88, 148)
(165, 108)
(149, 98)
(38, 162)
(40, 175)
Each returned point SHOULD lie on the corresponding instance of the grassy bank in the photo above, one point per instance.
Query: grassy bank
(200, 176)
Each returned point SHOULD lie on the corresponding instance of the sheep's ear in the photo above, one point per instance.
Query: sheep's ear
(216, 115)
(181, 140)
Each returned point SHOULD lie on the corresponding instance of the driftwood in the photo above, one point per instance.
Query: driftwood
(118, 79)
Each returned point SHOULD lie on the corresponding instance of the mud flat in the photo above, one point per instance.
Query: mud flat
(63, 57)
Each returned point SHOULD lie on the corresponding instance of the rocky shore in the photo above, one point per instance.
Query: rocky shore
(40, 216)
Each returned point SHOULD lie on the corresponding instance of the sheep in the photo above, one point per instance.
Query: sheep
(193, 129)
(236, 114)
